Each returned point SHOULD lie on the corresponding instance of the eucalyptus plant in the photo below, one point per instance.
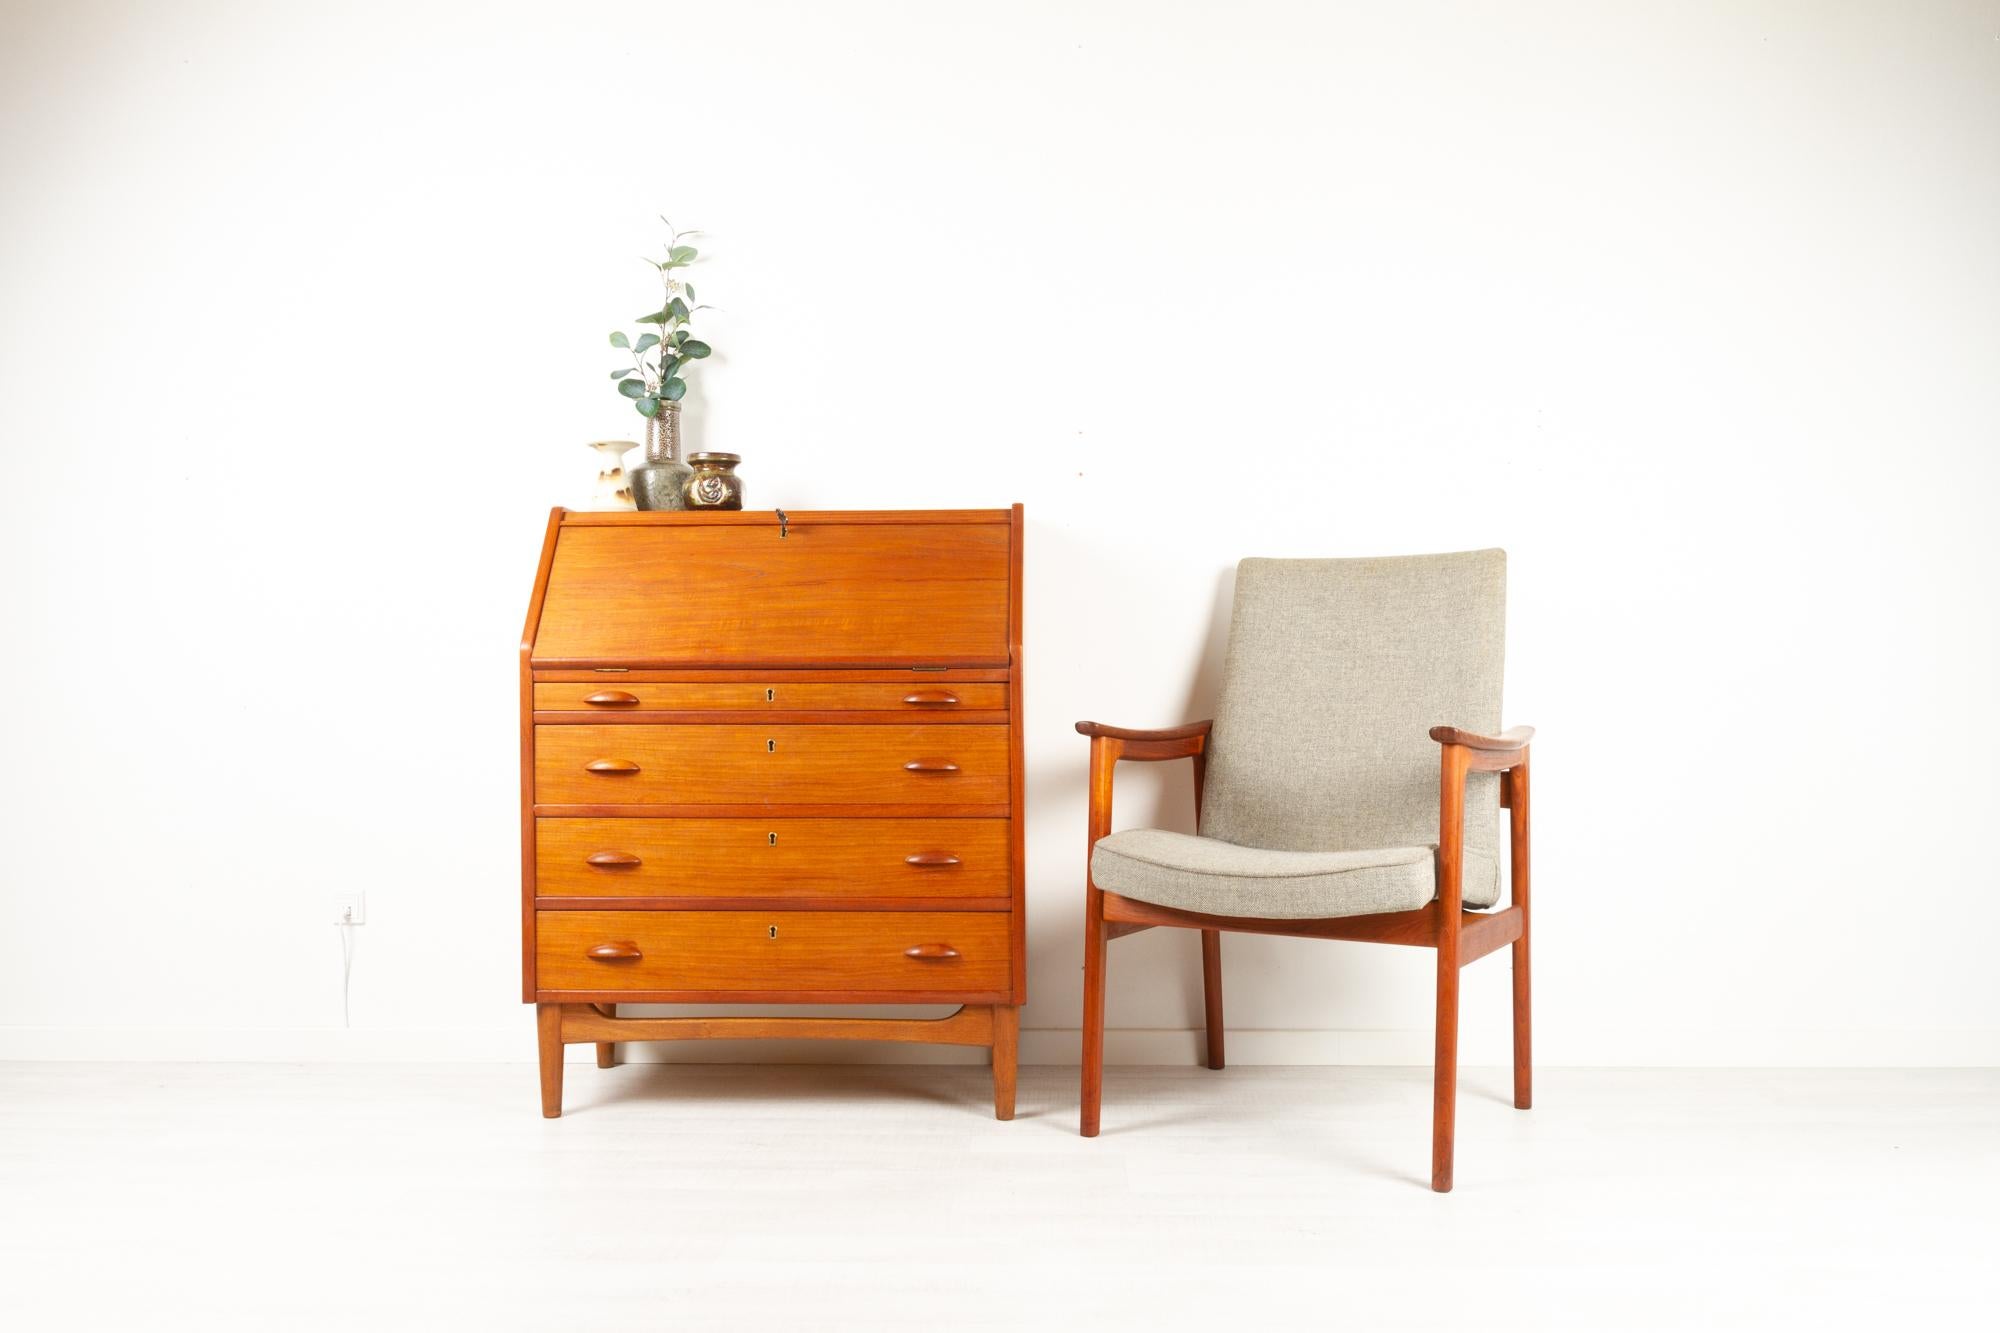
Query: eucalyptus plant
(660, 358)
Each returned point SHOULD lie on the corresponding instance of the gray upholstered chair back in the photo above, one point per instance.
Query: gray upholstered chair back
(1335, 674)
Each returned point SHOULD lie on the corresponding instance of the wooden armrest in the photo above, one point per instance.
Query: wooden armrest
(1511, 739)
(1111, 745)
(1133, 734)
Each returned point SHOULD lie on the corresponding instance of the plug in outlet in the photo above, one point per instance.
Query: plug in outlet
(350, 909)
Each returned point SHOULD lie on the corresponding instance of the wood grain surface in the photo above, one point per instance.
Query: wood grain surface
(793, 952)
(912, 696)
(776, 858)
(772, 764)
(828, 593)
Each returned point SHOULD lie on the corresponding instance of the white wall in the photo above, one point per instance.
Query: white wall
(1694, 308)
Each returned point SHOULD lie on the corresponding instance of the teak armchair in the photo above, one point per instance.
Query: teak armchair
(1331, 804)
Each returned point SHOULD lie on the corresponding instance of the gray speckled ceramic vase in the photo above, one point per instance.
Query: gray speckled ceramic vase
(661, 481)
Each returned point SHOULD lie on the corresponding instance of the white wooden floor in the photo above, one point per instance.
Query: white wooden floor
(275, 1197)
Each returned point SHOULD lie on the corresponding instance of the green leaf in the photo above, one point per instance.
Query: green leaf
(673, 389)
(621, 374)
(681, 254)
(677, 308)
(695, 348)
(657, 317)
(618, 340)
(680, 336)
(648, 406)
(646, 340)
(632, 388)
(689, 289)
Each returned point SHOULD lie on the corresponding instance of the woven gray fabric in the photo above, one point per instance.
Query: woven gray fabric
(1335, 673)
(1208, 875)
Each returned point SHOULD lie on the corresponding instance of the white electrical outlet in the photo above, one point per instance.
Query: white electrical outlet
(350, 909)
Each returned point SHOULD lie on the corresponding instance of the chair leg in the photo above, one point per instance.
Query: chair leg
(1006, 1058)
(548, 1045)
(1517, 842)
(1444, 1085)
(1093, 1012)
(1211, 993)
(1524, 1068)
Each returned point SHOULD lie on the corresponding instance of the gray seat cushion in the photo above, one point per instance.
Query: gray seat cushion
(1226, 879)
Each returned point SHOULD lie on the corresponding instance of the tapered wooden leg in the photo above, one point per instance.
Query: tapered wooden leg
(1211, 993)
(1445, 1079)
(548, 1034)
(1524, 1069)
(1006, 1058)
(1104, 752)
(1452, 766)
(607, 1051)
(1517, 837)
(1093, 1012)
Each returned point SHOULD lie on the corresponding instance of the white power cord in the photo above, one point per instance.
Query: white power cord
(346, 925)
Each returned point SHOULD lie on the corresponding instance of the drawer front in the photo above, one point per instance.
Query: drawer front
(611, 697)
(585, 764)
(825, 593)
(894, 952)
(771, 858)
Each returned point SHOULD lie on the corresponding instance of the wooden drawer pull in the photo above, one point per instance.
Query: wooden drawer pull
(612, 859)
(611, 767)
(931, 698)
(930, 859)
(614, 951)
(930, 953)
(930, 766)
(612, 699)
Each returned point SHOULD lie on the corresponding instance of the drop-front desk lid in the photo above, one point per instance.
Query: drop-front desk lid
(833, 589)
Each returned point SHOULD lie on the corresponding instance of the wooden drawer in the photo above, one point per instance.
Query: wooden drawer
(777, 952)
(611, 697)
(829, 592)
(582, 764)
(771, 858)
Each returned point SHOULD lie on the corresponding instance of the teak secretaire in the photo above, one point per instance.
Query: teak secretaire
(773, 758)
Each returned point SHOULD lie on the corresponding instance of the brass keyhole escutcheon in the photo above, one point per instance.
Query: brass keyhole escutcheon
(773, 837)
(770, 747)
(770, 696)
(774, 932)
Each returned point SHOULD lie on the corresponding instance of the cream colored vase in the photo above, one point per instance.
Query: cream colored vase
(614, 490)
